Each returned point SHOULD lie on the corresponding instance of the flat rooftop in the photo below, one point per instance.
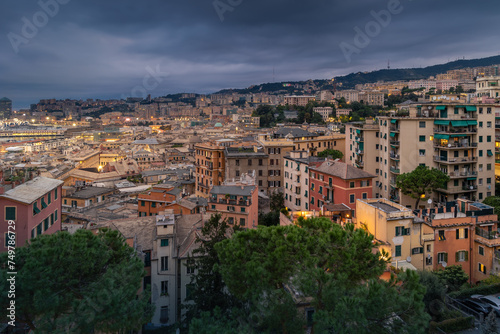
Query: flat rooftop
(384, 207)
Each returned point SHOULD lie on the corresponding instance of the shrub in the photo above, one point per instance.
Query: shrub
(478, 290)
(452, 325)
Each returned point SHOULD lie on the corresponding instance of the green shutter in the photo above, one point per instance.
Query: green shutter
(490, 154)
(392, 134)
(446, 257)
(466, 256)
(470, 108)
(393, 121)
(441, 122)
(457, 256)
(440, 107)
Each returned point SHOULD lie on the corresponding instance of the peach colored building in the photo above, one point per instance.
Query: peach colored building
(238, 203)
(155, 200)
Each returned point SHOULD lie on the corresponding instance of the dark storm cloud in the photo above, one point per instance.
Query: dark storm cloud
(103, 49)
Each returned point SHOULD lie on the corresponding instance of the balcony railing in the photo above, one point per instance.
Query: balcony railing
(394, 156)
(454, 145)
(469, 187)
(490, 235)
(450, 160)
(455, 131)
(395, 170)
(230, 201)
(455, 175)
(395, 143)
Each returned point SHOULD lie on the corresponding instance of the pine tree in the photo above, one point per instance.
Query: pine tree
(489, 325)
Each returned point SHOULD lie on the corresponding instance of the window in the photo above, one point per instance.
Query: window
(242, 221)
(488, 139)
(398, 251)
(480, 196)
(480, 139)
(480, 124)
(365, 195)
(10, 213)
(164, 263)
(260, 162)
(49, 198)
(480, 182)
(461, 256)
(488, 124)
(480, 153)
(442, 257)
(143, 203)
(249, 162)
(44, 205)
(417, 250)
(237, 162)
(351, 184)
(164, 288)
(351, 198)
(55, 194)
(242, 209)
(421, 153)
(462, 233)
(488, 166)
(237, 173)
(481, 250)
(421, 138)
(400, 230)
(488, 180)
(164, 243)
(320, 190)
(421, 124)
(55, 215)
(36, 210)
(51, 219)
(46, 224)
(164, 315)
(482, 268)
(260, 172)
(39, 229)
(441, 235)
(153, 204)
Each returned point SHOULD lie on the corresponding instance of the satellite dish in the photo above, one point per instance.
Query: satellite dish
(471, 187)
(408, 259)
(429, 201)
(444, 264)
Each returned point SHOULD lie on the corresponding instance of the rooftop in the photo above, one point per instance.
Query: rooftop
(342, 170)
(90, 192)
(32, 190)
(233, 190)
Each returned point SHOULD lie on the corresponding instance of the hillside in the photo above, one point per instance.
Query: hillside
(350, 80)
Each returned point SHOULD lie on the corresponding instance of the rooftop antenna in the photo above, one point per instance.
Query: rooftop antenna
(273, 75)
(388, 64)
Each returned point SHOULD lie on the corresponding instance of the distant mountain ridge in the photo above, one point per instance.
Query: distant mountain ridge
(351, 80)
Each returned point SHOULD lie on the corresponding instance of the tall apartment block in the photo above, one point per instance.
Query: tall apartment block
(458, 139)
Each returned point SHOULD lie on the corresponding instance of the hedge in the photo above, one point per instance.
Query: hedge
(452, 325)
(478, 290)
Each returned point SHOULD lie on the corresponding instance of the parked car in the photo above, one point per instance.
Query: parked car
(491, 301)
(476, 305)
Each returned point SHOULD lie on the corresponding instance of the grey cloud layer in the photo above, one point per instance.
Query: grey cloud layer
(102, 48)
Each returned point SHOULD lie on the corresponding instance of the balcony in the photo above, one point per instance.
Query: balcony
(454, 146)
(458, 190)
(394, 143)
(460, 175)
(428, 237)
(359, 163)
(455, 131)
(395, 170)
(394, 129)
(469, 187)
(459, 160)
(394, 157)
(490, 238)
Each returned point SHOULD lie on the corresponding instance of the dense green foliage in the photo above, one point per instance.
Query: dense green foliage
(452, 325)
(332, 154)
(454, 277)
(78, 283)
(435, 291)
(489, 324)
(330, 267)
(477, 290)
(421, 181)
(208, 290)
(493, 201)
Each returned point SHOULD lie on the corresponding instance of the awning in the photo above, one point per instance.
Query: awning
(441, 108)
(471, 178)
(392, 134)
(490, 154)
(393, 121)
(459, 123)
(358, 131)
(459, 106)
(471, 122)
(361, 146)
(441, 122)
(454, 135)
(470, 108)
(441, 136)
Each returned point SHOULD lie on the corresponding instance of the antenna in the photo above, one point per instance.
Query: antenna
(273, 75)
(388, 64)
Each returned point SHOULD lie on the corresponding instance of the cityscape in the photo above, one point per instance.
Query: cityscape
(361, 196)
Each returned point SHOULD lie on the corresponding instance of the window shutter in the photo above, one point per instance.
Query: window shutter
(466, 233)
(458, 233)
(466, 255)
(457, 256)
(446, 257)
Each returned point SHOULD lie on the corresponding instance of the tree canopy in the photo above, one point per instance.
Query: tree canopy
(78, 283)
(421, 182)
(333, 154)
(333, 268)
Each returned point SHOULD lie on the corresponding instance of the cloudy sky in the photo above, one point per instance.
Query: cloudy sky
(112, 49)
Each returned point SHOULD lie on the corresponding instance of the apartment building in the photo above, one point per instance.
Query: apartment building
(488, 86)
(296, 179)
(325, 112)
(299, 100)
(155, 200)
(458, 139)
(34, 206)
(249, 160)
(339, 183)
(210, 166)
(398, 231)
(239, 204)
(370, 97)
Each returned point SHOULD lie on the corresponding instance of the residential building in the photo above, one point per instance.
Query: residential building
(5, 107)
(325, 112)
(155, 200)
(83, 198)
(398, 231)
(210, 166)
(296, 179)
(302, 100)
(34, 206)
(488, 86)
(249, 160)
(337, 182)
(458, 139)
(239, 204)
